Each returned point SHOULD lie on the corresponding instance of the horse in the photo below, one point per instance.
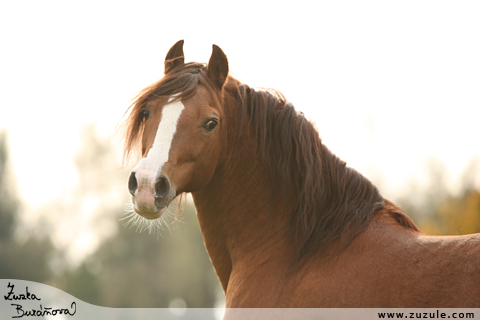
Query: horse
(286, 223)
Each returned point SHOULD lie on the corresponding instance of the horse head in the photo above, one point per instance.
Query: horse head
(181, 124)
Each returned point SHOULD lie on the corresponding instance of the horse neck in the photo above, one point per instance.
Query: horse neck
(235, 211)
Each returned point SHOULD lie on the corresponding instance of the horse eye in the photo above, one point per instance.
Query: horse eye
(146, 114)
(210, 125)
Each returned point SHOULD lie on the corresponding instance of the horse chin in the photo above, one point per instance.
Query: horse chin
(150, 215)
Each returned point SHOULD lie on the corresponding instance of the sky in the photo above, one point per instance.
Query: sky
(389, 84)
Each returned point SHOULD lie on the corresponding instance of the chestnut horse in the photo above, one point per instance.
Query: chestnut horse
(285, 222)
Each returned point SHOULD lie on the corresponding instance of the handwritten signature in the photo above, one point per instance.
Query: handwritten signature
(40, 312)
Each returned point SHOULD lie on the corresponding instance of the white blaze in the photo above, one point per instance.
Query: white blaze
(158, 154)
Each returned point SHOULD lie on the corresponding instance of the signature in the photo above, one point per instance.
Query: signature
(41, 311)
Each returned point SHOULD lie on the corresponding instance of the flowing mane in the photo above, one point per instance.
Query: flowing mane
(330, 200)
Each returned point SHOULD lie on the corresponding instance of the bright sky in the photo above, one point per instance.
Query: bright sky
(390, 84)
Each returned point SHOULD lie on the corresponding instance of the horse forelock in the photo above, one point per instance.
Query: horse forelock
(181, 83)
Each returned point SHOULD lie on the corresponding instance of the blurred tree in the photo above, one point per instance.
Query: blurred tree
(8, 200)
(421, 203)
(140, 270)
(460, 215)
(86, 215)
(438, 212)
(18, 256)
(83, 284)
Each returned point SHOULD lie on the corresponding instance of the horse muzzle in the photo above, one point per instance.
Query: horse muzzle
(151, 192)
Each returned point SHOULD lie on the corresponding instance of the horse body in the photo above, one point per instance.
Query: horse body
(390, 264)
(285, 222)
(385, 266)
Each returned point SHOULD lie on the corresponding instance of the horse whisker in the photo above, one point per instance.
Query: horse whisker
(157, 226)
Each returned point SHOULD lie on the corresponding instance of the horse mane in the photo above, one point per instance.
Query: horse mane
(330, 200)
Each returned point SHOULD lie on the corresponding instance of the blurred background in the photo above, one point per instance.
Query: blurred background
(393, 88)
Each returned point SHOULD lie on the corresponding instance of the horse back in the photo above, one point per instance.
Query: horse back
(391, 264)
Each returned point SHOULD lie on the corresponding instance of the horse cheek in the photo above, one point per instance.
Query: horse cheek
(204, 169)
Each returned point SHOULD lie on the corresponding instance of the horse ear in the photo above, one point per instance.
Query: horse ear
(217, 68)
(174, 57)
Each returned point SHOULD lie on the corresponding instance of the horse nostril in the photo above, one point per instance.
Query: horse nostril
(132, 184)
(162, 187)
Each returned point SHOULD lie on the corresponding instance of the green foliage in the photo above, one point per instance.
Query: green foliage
(26, 259)
(83, 284)
(8, 201)
(142, 270)
(437, 211)
(456, 215)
